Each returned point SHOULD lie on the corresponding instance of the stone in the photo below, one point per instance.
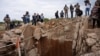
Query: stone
(32, 52)
(92, 35)
(6, 38)
(18, 31)
(90, 41)
(41, 24)
(66, 28)
(62, 39)
(95, 48)
(37, 33)
(97, 53)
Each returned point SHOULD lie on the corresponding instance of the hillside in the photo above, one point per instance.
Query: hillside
(57, 37)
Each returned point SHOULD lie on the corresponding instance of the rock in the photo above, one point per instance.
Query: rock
(92, 35)
(32, 52)
(2, 50)
(41, 24)
(62, 39)
(6, 38)
(97, 53)
(66, 28)
(14, 39)
(90, 41)
(95, 48)
(10, 33)
(17, 31)
(37, 33)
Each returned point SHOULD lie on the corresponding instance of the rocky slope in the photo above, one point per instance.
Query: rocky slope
(85, 41)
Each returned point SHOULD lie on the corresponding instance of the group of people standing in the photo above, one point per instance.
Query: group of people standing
(26, 19)
(10, 24)
(64, 12)
(35, 18)
(95, 14)
(76, 8)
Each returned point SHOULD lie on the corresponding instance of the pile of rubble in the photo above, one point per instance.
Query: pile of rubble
(86, 41)
(61, 30)
(40, 39)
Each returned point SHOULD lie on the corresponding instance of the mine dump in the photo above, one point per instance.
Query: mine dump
(57, 37)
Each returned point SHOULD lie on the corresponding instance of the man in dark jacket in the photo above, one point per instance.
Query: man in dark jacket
(56, 15)
(38, 18)
(62, 14)
(34, 19)
(78, 11)
(71, 10)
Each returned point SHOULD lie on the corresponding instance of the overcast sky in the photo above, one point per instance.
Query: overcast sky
(16, 8)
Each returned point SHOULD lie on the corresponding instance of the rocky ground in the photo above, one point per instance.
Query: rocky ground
(85, 40)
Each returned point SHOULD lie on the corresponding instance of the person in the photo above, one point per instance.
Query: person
(27, 17)
(38, 17)
(12, 25)
(96, 13)
(98, 6)
(19, 24)
(62, 14)
(34, 19)
(42, 17)
(7, 22)
(71, 10)
(24, 20)
(78, 12)
(87, 10)
(86, 2)
(56, 15)
(66, 11)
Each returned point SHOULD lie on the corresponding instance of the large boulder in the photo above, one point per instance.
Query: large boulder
(37, 33)
(90, 41)
(6, 38)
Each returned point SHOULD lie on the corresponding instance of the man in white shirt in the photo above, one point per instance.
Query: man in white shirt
(87, 10)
